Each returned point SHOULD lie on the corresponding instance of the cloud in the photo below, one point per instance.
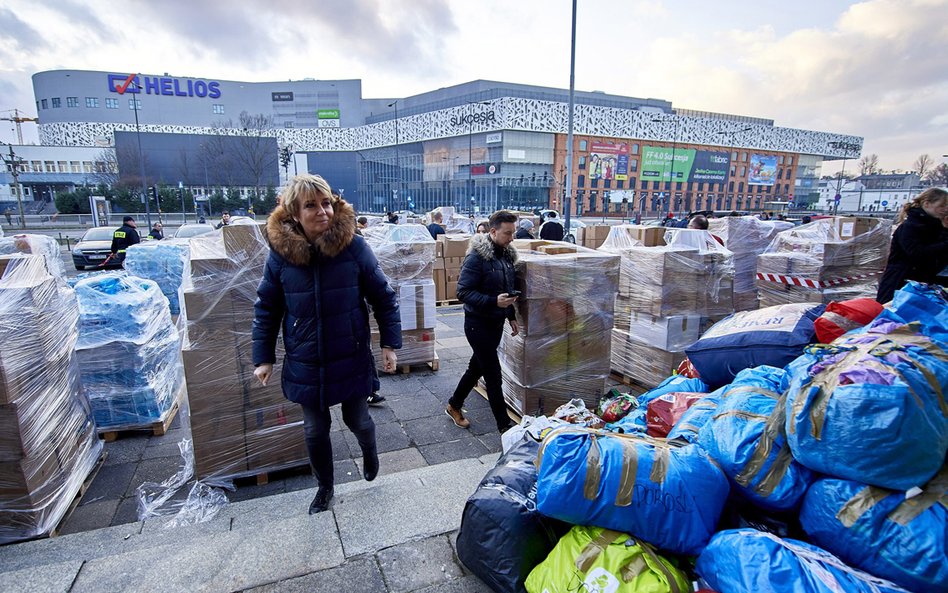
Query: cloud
(17, 33)
(83, 17)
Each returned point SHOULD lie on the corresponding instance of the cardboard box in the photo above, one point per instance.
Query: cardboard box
(418, 347)
(645, 365)
(544, 317)
(244, 242)
(453, 263)
(529, 244)
(416, 303)
(648, 236)
(660, 281)
(556, 249)
(454, 245)
(852, 226)
(674, 333)
(451, 290)
(439, 282)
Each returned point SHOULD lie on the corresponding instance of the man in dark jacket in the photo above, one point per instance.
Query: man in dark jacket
(124, 237)
(225, 220)
(523, 229)
(436, 228)
(156, 233)
(551, 230)
(315, 285)
(485, 286)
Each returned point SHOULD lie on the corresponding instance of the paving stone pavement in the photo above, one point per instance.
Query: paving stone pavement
(396, 534)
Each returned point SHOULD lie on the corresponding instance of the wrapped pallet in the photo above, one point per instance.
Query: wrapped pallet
(565, 314)
(450, 251)
(669, 293)
(746, 237)
(128, 351)
(831, 259)
(165, 262)
(406, 254)
(238, 426)
(48, 442)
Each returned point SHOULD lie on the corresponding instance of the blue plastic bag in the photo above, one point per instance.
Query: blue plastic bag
(750, 561)
(770, 336)
(671, 385)
(667, 494)
(879, 531)
(696, 417)
(746, 436)
(871, 407)
(925, 304)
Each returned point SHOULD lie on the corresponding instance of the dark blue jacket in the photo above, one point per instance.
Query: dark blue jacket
(317, 295)
(487, 271)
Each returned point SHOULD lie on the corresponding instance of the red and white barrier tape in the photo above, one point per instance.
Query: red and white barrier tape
(809, 282)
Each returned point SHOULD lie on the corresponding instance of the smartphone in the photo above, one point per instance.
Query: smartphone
(514, 293)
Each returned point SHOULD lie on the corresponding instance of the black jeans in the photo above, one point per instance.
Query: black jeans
(484, 338)
(316, 425)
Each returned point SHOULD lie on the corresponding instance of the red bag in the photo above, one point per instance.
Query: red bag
(687, 369)
(843, 316)
(666, 410)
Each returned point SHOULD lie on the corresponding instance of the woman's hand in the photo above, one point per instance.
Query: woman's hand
(263, 372)
(389, 360)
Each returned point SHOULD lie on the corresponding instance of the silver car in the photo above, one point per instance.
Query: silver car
(94, 248)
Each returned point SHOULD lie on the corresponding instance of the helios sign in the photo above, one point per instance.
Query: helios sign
(163, 85)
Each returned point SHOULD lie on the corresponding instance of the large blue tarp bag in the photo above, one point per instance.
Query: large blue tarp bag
(696, 417)
(871, 407)
(503, 536)
(751, 561)
(904, 540)
(925, 304)
(770, 336)
(746, 437)
(668, 494)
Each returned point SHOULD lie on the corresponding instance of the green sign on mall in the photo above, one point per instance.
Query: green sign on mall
(327, 114)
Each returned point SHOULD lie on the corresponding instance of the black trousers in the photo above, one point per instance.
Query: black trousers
(484, 338)
(316, 425)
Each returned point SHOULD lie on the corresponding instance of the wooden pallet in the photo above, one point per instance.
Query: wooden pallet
(630, 382)
(447, 303)
(511, 413)
(158, 428)
(54, 532)
(432, 365)
(263, 477)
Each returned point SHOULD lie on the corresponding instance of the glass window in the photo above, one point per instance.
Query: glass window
(92, 102)
(87, 167)
(75, 167)
(581, 181)
(740, 187)
(288, 124)
(789, 160)
(57, 102)
(620, 184)
(743, 157)
(582, 145)
(217, 109)
(635, 149)
(780, 160)
(72, 101)
(633, 164)
(582, 162)
(743, 171)
(135, 104)
(50, 166)
(111, 103)
(733, 156)
(63, 166)
(43, 102)
(607, 183)
(37, 166)
(594, 182)
(779, 173)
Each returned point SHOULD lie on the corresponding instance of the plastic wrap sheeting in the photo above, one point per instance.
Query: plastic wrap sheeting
(48, 442)
(406, 254)
(746, 237)
(238, 427)
(165, 262)
(565, 315)
(128, 351)
(831, 259)
(646, 365)
(36, 245)
(202, 503)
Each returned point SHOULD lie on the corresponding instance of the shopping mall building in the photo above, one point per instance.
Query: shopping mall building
(482, 144)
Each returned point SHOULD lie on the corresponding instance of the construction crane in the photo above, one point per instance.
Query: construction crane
(18, 120)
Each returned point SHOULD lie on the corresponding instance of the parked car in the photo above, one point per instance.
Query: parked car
(186, 231)
(94, 248)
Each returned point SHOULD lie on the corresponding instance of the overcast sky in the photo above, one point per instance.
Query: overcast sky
(877, 69)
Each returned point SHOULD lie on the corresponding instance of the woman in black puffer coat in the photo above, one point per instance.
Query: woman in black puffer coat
(317, 280)
(919, 250)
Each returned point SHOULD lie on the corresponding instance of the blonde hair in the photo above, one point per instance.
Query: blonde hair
(302, 186)
(932, 194)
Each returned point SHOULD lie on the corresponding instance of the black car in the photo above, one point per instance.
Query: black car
(94, 248)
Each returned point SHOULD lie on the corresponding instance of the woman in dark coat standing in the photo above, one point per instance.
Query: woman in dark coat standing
(317, 280)
(919, 250)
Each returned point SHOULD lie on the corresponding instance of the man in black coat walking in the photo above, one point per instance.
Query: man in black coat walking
(486, 287)
(551, 230)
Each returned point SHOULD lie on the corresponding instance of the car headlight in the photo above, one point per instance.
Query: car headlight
(78, 251)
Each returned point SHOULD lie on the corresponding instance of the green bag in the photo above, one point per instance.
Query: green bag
(596, 560)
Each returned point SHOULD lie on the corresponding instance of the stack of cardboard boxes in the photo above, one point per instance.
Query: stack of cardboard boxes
(668, 295)
(830, 259)
(450, 251)
(565, 313)
(48, 441)
(406, 254)
(238, 427)
(592, 236)
(746, 237)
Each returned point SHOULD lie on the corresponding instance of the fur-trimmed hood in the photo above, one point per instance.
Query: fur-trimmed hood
(286, 236)
(484, 247)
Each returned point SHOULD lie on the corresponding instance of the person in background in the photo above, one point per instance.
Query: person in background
(484, 286)
(806, 219)
(482, 228)
(919, 248)
(362, 223)
(523, 229)
(124, 237)
(315, 285)
(391, 218)
(551, 230)
(225, 219)
(700, 222)
(156, 233)
(435, 228)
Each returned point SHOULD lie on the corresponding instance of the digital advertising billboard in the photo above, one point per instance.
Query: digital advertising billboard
(763, 170)
(690, 165)
(609, 161)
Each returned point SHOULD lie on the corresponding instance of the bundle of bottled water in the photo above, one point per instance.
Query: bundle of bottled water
(165, 262)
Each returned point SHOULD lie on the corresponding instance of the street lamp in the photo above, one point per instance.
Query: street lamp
(141, 155)
(672, 177)
(398, 168)
(470, 148)
(846, 146)
(15, 162)
(729, 138)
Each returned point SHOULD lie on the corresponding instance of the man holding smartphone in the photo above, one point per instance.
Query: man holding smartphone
(486, 287)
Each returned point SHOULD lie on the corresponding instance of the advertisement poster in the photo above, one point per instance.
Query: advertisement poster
(763, 170)
(609, 161)
(698, 166)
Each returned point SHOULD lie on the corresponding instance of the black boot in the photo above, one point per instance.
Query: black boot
(321, 501)
(370, 464)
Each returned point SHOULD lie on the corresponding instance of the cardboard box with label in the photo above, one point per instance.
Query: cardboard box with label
(451, 246)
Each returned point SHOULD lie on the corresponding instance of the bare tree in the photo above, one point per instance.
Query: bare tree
(255, 152)
(182, 165)
(938, 176)
(923, 165)
(869, 164)
(106, 167)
